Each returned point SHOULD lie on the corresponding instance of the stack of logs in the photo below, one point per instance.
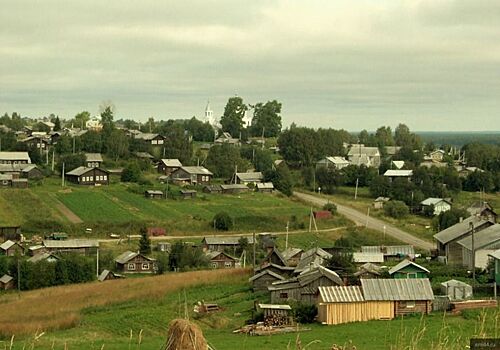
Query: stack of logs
(459, 306)
(276, 320)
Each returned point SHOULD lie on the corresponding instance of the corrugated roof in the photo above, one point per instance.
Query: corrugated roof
(341, 294)
(357, 149)
(93, 157)
(396, 173)
(397, 289)
(5, 279)
(71, 244)
(489, 235)
(12, 156)
(459, 229)
(406, 263)
(390, 250)
(195, 170)
(275, 307)
(146, 136)
(433, 201)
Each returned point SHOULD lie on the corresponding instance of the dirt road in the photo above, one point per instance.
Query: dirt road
(376, 224)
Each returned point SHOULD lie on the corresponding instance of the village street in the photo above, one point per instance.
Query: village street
(376, 224)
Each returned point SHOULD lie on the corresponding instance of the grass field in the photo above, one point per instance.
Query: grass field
(115, 208)
(122, 314)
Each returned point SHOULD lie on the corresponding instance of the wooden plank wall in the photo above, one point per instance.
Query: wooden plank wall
(337, 313)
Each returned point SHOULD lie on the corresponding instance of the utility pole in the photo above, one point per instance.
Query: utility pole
(53, 154)
(367, 216)
(471, 225)
(286, 240)
(254, 250)
(97, 262)
(18, 274)
(62, 176)
(356, 190)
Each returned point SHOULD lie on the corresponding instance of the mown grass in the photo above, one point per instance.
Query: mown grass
(117, 323)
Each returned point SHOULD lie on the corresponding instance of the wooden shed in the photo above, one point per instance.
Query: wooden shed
(107, 275)
(6, 282)
(221, 260)
(153, 194)
(188, 194)
(264, 279)
(11, 248)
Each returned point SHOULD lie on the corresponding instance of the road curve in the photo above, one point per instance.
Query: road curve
(376, 224)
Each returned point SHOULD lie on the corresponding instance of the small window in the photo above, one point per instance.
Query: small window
(284, 295)
(160, 142)
(105, 177)
(154, 142)
(145, 266)
(411, 275)
(408, 304)
(215, 265)
(228, 264)
(131, 266)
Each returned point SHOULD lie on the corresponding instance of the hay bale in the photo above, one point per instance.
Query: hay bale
(184, 335)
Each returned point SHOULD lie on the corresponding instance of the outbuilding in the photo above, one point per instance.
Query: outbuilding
(6, 282)
(456, 290)
(408, 269)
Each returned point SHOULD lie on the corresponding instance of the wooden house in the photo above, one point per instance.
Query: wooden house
(144, 156)
(304, 287)
(376, 299)
(398, 174)
(234, 188)
(31, 171)
(188, 194)
(79, 246)
(314, 256)
(408, 269)
(275, 257)
(168, 166)
(93, 160)
(485, 242)
(221, 260)
(484, 210)
(437, 155)
(496, 261)
(260, 281)
(265, 187)
(359, 154)
(285, 271)
(48, 257)
(11, 248)
(192, 175)
(6, 180)
(130, 262)
(150, 139)
(38, 142)
(447, 240)
(230, 243)
(226, 137)
(440, 205)
(7, 282)
(248, 178)
(19, 183)
(292, 256)
(153, 194)
(88, 176)
(107, 275)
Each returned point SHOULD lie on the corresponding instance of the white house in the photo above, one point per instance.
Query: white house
(333, 162)
(440, 205)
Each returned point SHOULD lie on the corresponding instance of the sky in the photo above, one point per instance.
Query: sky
(431, 64)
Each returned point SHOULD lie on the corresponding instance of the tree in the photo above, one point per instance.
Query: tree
(131, 173)
(199, 130)
(396, 209)
(223, 159)
(144, 242)
(298, 145)
(64, 145)
(383, 137)
(117, 144)
(232, 119)
(81, 119)
(183, 256)
(223, 221)
(57, 124)
(448, 218)
(267, 119)
(281, 178)
(107, 120)
(177, 143)
(71, 161)
(329, 179)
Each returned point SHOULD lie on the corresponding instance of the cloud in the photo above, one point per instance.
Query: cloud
(431, 64)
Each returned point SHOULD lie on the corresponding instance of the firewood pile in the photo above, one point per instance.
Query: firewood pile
(459, 306)
(276, 320)
(261, 329)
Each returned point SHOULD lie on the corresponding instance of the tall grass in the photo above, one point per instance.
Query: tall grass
(60, 307)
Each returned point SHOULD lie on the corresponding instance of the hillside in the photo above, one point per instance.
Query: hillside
(134, 313)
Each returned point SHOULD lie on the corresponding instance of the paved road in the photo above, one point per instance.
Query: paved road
(376, 224)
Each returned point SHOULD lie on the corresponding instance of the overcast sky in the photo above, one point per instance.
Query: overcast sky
(434, 65)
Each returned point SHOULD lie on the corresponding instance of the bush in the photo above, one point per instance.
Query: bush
(223, 222)
(396, 209)
(305, 313)
(332, 208)
(132, 173)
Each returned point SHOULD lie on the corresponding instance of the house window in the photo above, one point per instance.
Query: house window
(284, 295)
(145, 266)
(154, 142)
(131, 266)
(408, 304)
(228, 264)
(411, 275)
(105, 177)
(214, 265)
(160, 142)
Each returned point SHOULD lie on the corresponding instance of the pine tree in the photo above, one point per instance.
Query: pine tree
(144, 242)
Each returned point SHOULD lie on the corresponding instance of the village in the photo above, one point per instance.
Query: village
(450, 264)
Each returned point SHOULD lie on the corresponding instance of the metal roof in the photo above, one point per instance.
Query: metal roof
(406, 263)
(146, 136)
(265, 185)
(43, 256)
(397, 289)
(395, 173)
(454, 283)
(341, 294)
(213, 254)
(6, 279)
(368, 257)
(489, 235)
(7, 245)
(275, 307)
(433, 201)
(357, 149)
(195, 170)
(495, 254)
(93, 157)
(389, 250)
(459, 229)
(231, 240)
(13, 156)
(174, 163)
(368, 268)
(124, 257)
(79, 171)
(71, 244)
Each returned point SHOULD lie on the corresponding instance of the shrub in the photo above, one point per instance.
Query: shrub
(305, 313)
(222, 221)
(332, 208)
(396, 209)
(132, 173)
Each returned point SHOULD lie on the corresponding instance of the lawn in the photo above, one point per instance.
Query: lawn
(122, 321)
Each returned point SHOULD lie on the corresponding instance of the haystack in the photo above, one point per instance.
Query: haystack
(184, 335)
